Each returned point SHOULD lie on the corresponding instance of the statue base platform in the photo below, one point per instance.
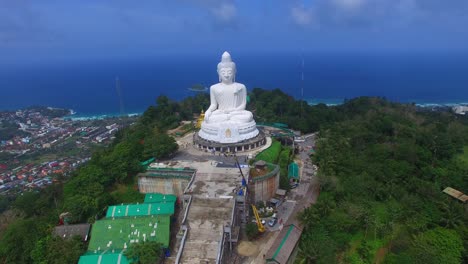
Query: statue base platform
(228, 131)
(245, 145)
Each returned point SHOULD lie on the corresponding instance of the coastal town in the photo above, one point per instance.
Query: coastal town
(38, 145)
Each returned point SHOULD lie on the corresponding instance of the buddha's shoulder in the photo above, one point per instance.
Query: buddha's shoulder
(216, 86)
(240, 85)
(220, 86)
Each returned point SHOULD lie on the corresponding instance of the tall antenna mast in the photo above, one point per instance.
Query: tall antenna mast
(302, 87)
(121, 104)
(119, 93)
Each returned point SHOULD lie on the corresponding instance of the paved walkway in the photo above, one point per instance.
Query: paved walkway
(188, 151)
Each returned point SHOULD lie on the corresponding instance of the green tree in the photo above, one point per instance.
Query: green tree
(27, 202)
(283, 162)
(438, 245)
(149, 252)
(19, 240)
(364, 251)
(55, 250)
(159, 145)
(316, 247)
(81, 207)
(122, 161)
(452, 214)
(4, 203)
(251, 230)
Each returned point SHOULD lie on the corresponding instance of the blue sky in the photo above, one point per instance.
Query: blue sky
(86, 29)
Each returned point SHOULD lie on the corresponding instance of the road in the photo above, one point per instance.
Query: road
(299, 198)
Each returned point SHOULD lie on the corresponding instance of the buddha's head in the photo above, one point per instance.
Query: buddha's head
(226, 69)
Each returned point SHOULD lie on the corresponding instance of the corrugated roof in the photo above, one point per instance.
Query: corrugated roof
(104, 258)
(293, 170)
(119, 233)
(284, 245)
(159, 198)
(456, 194)
(68, 231)
(144, 209)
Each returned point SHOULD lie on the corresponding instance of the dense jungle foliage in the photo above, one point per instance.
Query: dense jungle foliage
(382, 169)
(108, 178)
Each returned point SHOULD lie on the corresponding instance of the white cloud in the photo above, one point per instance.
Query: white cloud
(349, 5)
(225, 12)
(301, 15)
(379, 14)
(222, 11)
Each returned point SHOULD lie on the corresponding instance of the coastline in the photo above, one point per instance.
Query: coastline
(76, 115)
(419, 103)
(98, 116)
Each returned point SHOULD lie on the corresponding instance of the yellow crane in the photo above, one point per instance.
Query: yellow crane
(260, 226)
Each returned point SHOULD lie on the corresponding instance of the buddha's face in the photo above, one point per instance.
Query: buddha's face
(226, 75)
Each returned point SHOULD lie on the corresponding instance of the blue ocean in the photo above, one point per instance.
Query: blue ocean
(89, 87)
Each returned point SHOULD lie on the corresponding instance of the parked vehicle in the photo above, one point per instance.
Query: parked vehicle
(255, 221)
(272, 222)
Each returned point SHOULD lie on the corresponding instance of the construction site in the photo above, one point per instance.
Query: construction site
(219, 200)
(197, 206)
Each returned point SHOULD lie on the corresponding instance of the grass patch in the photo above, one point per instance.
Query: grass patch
(270, 154)
(355, 252)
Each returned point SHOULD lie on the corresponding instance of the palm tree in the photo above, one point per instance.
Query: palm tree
(452, 214)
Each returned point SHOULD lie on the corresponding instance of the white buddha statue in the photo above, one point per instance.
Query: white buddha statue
(228, 98)
(226, 120)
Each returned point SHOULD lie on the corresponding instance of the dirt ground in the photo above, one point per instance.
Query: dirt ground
(380, 255)
(247, 248)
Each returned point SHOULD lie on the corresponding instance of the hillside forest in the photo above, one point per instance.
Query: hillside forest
(382, 169)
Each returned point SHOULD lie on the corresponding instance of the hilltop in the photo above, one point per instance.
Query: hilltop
(382, 168)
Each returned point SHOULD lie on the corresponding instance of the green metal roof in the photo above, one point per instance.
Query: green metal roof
(285, 238)
(160, 198)
(104, 258)
(147, 162)
(293, 171)
(171, 169)
(118, 234)
(284, 245)
(144, 209)
(167, 176)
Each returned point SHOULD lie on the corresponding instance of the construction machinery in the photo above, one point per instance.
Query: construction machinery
(260, 226)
